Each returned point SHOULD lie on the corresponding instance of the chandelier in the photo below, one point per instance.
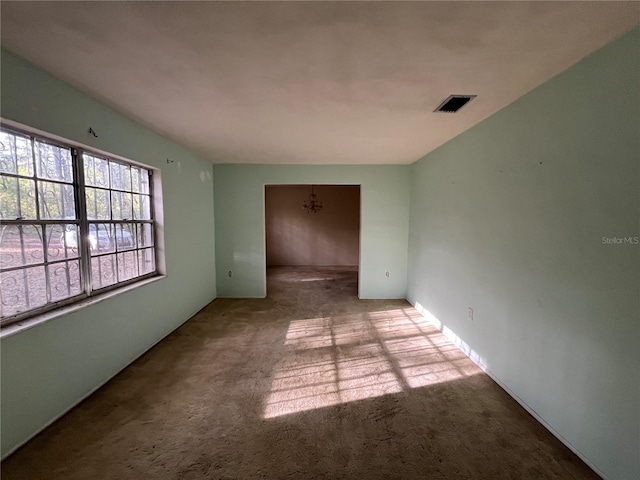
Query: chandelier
(312, 204)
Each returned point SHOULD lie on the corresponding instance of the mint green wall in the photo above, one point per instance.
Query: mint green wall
(47, 369)
(508, 219)
(239, 209)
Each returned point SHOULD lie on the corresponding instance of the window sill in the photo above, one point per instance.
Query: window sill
(36, 320)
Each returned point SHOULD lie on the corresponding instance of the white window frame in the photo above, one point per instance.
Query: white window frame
(89, 293)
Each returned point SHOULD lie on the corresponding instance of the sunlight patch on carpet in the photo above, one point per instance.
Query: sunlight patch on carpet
(340, 359)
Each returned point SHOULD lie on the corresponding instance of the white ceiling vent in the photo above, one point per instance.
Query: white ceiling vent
(454, 103)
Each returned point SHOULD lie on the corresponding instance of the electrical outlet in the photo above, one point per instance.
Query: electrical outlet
(470, 314)
(230, 273)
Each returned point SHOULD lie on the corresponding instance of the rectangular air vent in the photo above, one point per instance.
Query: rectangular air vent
(454, 103)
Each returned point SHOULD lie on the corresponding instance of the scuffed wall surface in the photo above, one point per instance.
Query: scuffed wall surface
(240, 226)
(513, 219)
(47, 369)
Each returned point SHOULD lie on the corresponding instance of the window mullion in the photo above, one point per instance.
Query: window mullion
(18, 193)
(84, 245)
(45, 253)
(114, 241)
(152, 214)
(35, 177)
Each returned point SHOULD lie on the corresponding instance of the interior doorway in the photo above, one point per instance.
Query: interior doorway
(312, 232)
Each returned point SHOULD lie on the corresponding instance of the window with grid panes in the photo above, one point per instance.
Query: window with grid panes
(72, 224)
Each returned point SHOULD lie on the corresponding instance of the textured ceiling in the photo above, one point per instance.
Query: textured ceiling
(308, 82)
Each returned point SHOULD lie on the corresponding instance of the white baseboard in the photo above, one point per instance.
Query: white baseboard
(524, 405)
(98, 386)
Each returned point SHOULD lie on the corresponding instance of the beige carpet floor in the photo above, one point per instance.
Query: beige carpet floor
(309, 383)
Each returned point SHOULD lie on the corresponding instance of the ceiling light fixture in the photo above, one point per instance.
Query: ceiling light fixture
(312, 204)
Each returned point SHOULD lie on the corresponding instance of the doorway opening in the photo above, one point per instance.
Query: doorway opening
(312, 238)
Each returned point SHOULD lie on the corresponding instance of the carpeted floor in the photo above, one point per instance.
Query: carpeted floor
(310, 383)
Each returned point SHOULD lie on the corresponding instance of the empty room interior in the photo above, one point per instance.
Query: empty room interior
(320, 240)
